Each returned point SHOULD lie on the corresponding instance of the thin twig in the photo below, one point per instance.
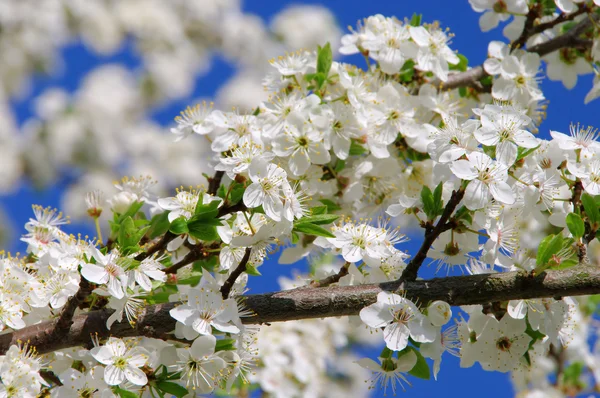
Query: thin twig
(431, 234)
(239, 270)
(335, 278)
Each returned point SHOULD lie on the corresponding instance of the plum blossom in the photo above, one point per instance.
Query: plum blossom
(434, 54)
(121, 362)
(400, 319)
(486, 178)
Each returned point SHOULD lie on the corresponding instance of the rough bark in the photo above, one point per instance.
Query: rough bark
(309, 302)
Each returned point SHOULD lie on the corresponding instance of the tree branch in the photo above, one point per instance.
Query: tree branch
(412, 268)
(474, 75)
(335, 278)
(307, 302)
(228, 284)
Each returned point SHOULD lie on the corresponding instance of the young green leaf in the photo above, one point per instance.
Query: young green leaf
(179, 226)
(415, 20)
(356, 148)
(172, 388)
(331, 205)
(547, 248)
(428, 202)
(324, 60)
(575, 225)
(421, 368)
(591, 209)
(312, 229)
(205, 230)
(319, 219)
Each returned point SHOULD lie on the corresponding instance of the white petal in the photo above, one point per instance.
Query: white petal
(136, 376)
(113, 375)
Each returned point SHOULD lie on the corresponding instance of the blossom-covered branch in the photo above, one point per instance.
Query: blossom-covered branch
(321, 302)
(570, 38)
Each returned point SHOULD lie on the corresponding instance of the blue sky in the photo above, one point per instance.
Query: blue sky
(564, 107)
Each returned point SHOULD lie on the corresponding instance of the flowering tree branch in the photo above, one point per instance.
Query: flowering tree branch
(431, 234)
(239, 270)
(321, 302)
(571, 38)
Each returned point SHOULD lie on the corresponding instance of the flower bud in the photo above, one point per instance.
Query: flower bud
(439, 313)
(122, 201)
(94, 201)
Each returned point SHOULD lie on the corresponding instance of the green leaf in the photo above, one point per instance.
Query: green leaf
(356, 149)
(220, 192)
(415, 20)
(421, 368)
(237, 193)
(572, 375)
(319, 219)
(132, 211)
(159, 225)
(127, 233)
(437, 199)
(225, 345)
(172, 388)
(339, 165)
(462, 64)
(464, 214)
(158, 298)
(124, 393)
(575, 225)
(428, 203)
(295, 238)
(407, 72)
(208, 210)
(549, 246)
(331, 205)
(252, 270)
(462, 91)
(591, 209)
(179, 226)
(524, 152)
(324, 60)
(204, 230)
(312, 229)
(318, 210)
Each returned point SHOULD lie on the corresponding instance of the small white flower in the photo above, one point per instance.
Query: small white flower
(434, 54)
(265, 190)
(193, 120)
(206, 309)
(486, 177)
(106, 271)
(400, 319)
(390, 370)
(199, 365)
(122, 362)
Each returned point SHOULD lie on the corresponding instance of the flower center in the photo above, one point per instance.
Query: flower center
(503, 344)
(500, 7)
(120, 363)
(403, 315)
(302, 142)
(388, 365)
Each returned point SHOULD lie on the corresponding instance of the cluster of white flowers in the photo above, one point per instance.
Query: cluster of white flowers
(104, 128)
(332, 145)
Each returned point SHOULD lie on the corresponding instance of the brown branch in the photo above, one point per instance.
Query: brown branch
(335, 278)
(431, 234)
(332, 301)
(215, 182)
(230, 281)
(472, 76)
(64, 321)
(532, 15)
